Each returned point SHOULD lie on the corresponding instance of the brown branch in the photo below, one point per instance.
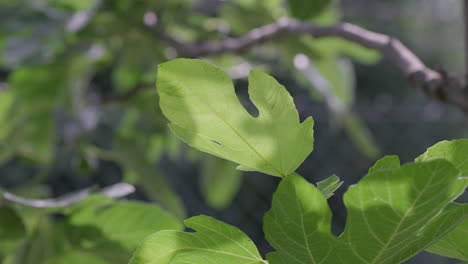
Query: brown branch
(434, 83)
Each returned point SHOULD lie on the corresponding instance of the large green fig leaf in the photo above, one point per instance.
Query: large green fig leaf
(394, 213)
(454, 244)
(390, 210)
(214, 242)
(200, 101)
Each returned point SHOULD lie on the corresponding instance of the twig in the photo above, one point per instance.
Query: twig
(435, 84)
(114, 191)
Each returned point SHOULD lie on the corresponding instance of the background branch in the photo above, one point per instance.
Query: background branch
(435, 84)
(117, 190)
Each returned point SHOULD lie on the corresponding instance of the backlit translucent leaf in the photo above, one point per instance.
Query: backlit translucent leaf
(390, 211)
(385, 163)
(455, 151)
(213, 242)
(298, 224)
(200, 101)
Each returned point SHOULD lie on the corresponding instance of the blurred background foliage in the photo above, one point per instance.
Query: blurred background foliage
(78, 108)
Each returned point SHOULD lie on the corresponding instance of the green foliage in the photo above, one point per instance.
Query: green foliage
(213, 241)
(206, 113)
(11, 225)
(300, 230)
(12, 230)
(304, 9)
(69, 70)
(154, 181)
(454, 244)
(220, 181)
(78, 258)
(97, 230)
(389, 209)
(394, 212)
(455, 151)
(125, 222)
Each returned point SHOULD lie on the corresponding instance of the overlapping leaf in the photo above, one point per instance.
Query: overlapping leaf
(206, 113)
(393, 213)
(389, 209)
(455, 151)
(454, 244)
(214, 242)
(298, 225)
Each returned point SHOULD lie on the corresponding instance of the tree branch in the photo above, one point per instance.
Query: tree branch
(114, 191)
(435, 84)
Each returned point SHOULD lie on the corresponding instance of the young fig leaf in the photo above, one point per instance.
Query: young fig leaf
(199, 100)
(329, 186)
